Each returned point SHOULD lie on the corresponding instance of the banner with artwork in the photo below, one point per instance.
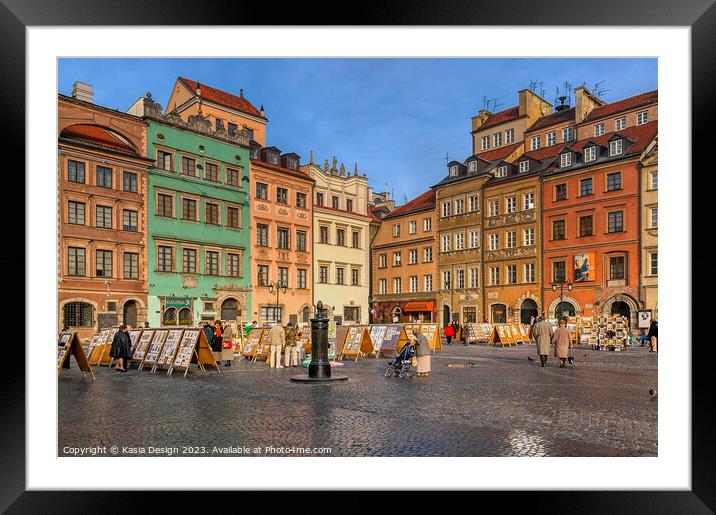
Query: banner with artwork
(584, 267)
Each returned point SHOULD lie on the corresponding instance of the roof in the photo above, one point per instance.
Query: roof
(99, 136)
(644, 99)
(500, 117)
(375, 212)
(419, 203)
(552, 119)
(277, 168)
(499, 153)
(222, 97)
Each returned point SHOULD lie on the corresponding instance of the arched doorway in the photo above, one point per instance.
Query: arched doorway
(130, 313)
(621, 308)
(528, 309)
(185, 317)
(564, 309)
(446, 315)
(230, 310)
(306, 314)
(499, 313)
(170, 316)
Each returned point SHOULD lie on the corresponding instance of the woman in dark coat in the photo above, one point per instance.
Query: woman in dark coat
(653, 334)
(121, 348)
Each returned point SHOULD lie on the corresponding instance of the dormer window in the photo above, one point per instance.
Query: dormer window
(590, 154)
(501, 171)
(272, 157)
(453, 171)
(291, 163)
(255, 152)
(565, 159)
(473, 166)
(524, 166)
(615, 147)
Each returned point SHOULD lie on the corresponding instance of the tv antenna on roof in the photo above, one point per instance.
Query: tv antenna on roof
(495, 103)
(598, 89)
(533, 87)
(485, 103)
(447, 158)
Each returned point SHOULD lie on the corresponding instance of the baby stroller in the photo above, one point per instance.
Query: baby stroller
(402, 365)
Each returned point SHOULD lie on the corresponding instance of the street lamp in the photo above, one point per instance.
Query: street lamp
(561, 291)
(278, 286)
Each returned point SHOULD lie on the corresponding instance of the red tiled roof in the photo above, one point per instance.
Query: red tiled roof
(223, 98)
(424, 201)
(650, 97)
(373, 216)
(553, 119)
(502, 116)
(97, 135)
(499, 153)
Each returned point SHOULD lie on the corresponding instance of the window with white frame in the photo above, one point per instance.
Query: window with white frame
(654, 217)
(396, 258)
(494, 208)
(427, 224)
(511, 204)
(567, 134)
(485, 143)
(413, 256)
(590, 154)
(474, 239)
(459, 241)
(565, 159)
(474, 278)
(413, 283)
(396, 230)
(642, 118)
(447, 284)
(524, 166)
(427, 283)
(382, 260)
(453, 171)
(528, 236)
(446, 243)
(396, 285)
(472, 166)
(428, 255)
(413, 227)
(494, 241)
(599, 129)
(474, 203)
(501, 171)
(459, 206)
(497, 139)
(534, 142)
(447, 209)
(460, 279)
(620, 124)
(551, 138)
(615, 147)
(382, 286)
(509, 136)
(494, 275)
(511, 274)
(511, 239)
(529, 272)
(529, 201)
(654, 179)
(653, 263)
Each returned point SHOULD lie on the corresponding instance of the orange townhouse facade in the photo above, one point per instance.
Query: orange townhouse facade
(591, 223)
(282, 236)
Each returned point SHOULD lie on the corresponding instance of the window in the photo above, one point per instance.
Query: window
(129, 220)
(558, 230)
(558, 271)
(272, 157)
(614, 181)
(474, 240)
(212, 172)
(528, 236)
(103, 260)
(301, 278)
(104, 217)
(397, 285)
(511, 274)
(616, 267)
(396, 258)
(283, 275)
(382, 260)
(165, 205)
(104, 177)
(615, 221)
(447, 283)
(469, 315)
(528, 201)
(501, 171)
(497, 139)
(511, 204)
(642, 118)
(599, 129)
(188, 166)
(212, 213)
(334, 202)
(551, 138)
(78, 314)
(382, 286)
(446, 243)
(262, 235)
(427, 283)
(396, 230)
(75, 213)
(165, 258)
(453, 171)
(615, 147)
(511, 239)
(494, 241)
(565, 159)
(129, 182)
(341, 237)
(653, 263)
(262, 275)
(460, 279)
(319, 199)
(233, 217)
(232, 177)
(165, 161)
(474, 278)
(76, 261)
(188, 211)
(283, 238)
(472, 166)
(620, 124)
(292, 163)
(349, 204)
(131, 265)
(323, 275)
(428, 224)
(529, 272)
(413, 256)
(281, 196)
(459, 206)
(509, 135)
(428, 255)
(474, 203)
(447, 209)
(485, 143)
(412, 227)
(261, 191)
(233, 265)
(534, 142)
(654, 217)
(355, 275)
(271, 313)
(494, 208)
(585, 187)
(219, 124)
(323, 234)
(560, 191)
(494, 275)
(188, 261)
(524, 166)
(75, 171)
(590, 154)
(301, 200)
(459, 241)
(586, 226)
(301, 241)
(654, 180)
(567, 134)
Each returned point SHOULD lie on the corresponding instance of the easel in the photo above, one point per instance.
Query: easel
(377, 334)
(501, 334)
(252, 342)
(68, 344)
(97, 347)
(392, 335)
(171, 345)
(104, 356)
(430, 331)
(155, 349)
(142, 347)
(194, 348)
(357, 343)
(263, 349)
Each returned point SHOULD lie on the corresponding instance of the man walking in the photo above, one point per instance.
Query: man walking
(277, 341)
(652, 335)
(542, 333)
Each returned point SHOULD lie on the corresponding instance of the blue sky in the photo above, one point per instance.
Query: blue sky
(397, 118)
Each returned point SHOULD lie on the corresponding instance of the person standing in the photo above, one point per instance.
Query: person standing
(277, 341)
(422, 352)
(542, 333)
(652, 335)
(449, 332)
(121, 349)
(292, 351)
(562, 342)
(209, 333)
(458, 334)
(227, 346)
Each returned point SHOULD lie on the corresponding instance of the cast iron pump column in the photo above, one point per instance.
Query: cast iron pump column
(319, 370)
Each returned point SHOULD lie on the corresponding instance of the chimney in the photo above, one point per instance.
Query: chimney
(479, 120)
(585, 101)
(533, 106)
(82, 91)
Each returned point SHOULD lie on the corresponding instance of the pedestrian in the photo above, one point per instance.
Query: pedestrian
(562, 342)
(542, 334)
(422, 352)
(277, 340)
(209, 333)
(218, 337)
(121, 349)
(292, 350)
(227, 345)
(458, 333)
(449, 332)
(249, 327)
(652, 335)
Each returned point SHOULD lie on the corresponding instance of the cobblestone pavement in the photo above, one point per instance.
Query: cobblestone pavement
(504, 405)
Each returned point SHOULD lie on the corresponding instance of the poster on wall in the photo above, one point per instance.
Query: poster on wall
(644, 318)
(583, 267)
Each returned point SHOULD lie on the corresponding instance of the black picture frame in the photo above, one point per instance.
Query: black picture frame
(16, 15)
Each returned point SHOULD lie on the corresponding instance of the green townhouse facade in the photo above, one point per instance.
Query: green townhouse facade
(198, 244)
